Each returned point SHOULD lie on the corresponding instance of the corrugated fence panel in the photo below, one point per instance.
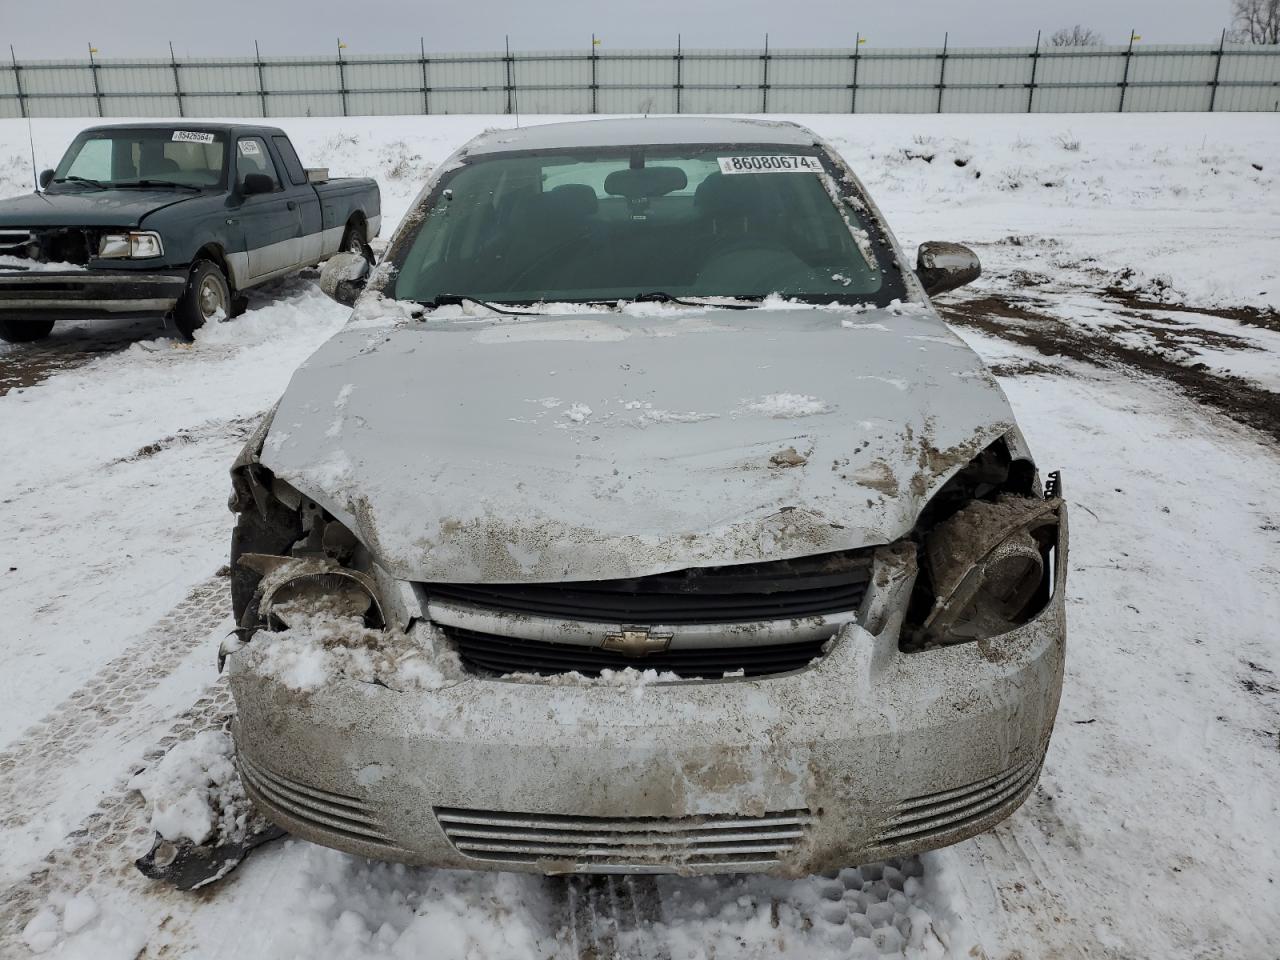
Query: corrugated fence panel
(862, 80)
(987, 80)
(637, 81)
(722, 81)
(810, 81)
(1079, 80)
(898, 81)
(1245, 65)
(468, 83)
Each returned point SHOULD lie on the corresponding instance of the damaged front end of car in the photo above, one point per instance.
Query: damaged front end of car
(919, 718)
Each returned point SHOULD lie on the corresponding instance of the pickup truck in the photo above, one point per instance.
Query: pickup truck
(172, 221)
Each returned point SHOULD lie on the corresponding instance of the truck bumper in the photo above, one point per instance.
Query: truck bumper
(74, 294)
(868, 753)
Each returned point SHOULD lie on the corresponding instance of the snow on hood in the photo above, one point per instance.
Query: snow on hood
(603, 446)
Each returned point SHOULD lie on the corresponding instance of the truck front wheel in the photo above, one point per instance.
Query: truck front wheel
(24, 331)
(207, 297)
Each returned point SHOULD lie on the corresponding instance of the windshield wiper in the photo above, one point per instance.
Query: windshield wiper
(74, 179)
(158, 183)
(658, 296)
(457, 299)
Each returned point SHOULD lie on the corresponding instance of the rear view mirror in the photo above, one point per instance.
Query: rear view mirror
(257, 183)
(643, 182)
(343, 277)
(46, 178)
(945, 266)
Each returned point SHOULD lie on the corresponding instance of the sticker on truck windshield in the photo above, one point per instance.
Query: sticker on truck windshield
(770, 164)
(192, 136)
(249, 148)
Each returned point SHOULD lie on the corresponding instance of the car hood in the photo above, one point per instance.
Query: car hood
(87, 208)
(583, 447)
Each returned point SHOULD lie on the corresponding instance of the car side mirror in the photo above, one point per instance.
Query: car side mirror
(46, 178)
(343, 277)
(945, 266)
(255, 183)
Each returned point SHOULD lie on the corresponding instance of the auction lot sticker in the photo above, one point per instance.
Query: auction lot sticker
(192, 136)
(769, 164)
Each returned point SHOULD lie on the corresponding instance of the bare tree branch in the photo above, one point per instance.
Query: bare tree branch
(1079, 36)
(1255, 21)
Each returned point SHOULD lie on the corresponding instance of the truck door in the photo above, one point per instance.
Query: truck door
(312, 247)
(271, 223)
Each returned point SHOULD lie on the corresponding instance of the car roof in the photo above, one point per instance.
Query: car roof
(198, 125)
(646, 131)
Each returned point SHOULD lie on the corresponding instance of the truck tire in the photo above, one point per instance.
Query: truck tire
(208, 296)
(24, 331)
(353, 240)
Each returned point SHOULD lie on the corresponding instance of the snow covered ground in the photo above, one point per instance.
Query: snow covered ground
(1129, 305)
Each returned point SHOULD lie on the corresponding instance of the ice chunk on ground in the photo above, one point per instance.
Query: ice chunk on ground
(41, 931)
(194, 792)
(784, 406)
(79, 912)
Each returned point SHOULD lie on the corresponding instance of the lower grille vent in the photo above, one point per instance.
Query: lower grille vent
(950, 810)
(650, 844)
(320, 809)
(494, 654)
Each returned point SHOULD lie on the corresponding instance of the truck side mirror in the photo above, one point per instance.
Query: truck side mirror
(945, 266)
(46, 178)
(257, 183)
(343, 277)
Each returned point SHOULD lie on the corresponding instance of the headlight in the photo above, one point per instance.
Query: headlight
(332, 592)
(138, 245)
(989, 567)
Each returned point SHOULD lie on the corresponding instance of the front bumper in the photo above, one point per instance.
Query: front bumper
(75, 294)
(868, 753)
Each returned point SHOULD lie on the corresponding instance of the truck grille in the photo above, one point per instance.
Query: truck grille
(602, 844)
(777, 590)
(494, 654)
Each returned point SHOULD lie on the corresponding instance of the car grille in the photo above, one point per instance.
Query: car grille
(322, 810)
(494, 654)
(657, 844)
(919, 818)
(777, 590)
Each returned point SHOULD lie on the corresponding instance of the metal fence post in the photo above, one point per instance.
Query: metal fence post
(507, 62)
(177, 82)
(764, 78)
(262, 86)
(1035, 62)
(342, 78)
(942, 70)
(679, 70)
(17, 82)
(1124, 81)
(853, 99)
(594, 86)
(93, 71)
(426, 89)
(1217, 69)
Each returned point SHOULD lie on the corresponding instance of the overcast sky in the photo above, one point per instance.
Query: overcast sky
(229, 27)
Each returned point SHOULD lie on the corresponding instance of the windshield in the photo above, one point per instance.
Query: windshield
(190, 158)
(690, 221)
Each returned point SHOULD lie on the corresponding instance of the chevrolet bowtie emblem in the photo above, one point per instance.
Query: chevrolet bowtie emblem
(636, 642)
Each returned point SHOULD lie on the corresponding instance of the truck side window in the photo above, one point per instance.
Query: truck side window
(292, 165)
(252, 157)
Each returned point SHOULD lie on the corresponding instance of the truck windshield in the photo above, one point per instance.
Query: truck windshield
(150, 157)
(691, 221)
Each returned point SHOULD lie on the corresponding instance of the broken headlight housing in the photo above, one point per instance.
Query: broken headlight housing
(135, 245)
(986, 569)
(300, 589)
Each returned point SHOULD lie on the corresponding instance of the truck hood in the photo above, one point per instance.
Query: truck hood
(584, 447)
(87, 208)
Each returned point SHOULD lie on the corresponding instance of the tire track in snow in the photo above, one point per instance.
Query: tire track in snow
(102, 849)
(32, 767)
(611, 917)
